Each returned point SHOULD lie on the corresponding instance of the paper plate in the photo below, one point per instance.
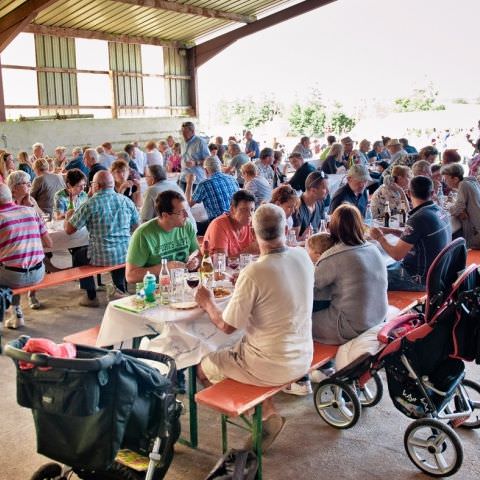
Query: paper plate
(184, 305)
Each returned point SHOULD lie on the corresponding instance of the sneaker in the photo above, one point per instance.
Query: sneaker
(299, 388)
(89, 302)
(316, 376)
(272, 427)
(33, 302)
(15, 319)
(113, 293)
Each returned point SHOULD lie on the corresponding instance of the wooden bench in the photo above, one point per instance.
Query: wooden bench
(405, 301)
(473, 256)
(85, 337)
(233, 399)
(68, 275)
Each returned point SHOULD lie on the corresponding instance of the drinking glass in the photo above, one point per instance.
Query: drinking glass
(177, 276)
(291, 238)
(219, 263)
(245, 259)
(233, 263)
(193, 280)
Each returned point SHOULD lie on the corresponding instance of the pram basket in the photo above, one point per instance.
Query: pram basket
(87, 408)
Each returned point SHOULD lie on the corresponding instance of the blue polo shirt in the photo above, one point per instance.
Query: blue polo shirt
(77, 162)
(303, 218)
(428, 230)
(345, 195)
(196, 150)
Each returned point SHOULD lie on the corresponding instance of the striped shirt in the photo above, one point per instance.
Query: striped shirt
(21, 230)
(260, 189)
(216, 194)
(109, 218)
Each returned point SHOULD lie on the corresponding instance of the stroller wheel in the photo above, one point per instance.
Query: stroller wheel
(433, 447)
(116, 471)
(473, 392)
(371, 393)
(336, 403)
(49, 471)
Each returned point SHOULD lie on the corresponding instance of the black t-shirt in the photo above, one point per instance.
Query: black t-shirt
(345, 195)
(297, 182)
(96, 168)
(428, 230)
(303, 218)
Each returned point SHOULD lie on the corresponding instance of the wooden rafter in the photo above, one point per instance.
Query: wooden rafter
(191, 10)
(97, 35)
(15, 21)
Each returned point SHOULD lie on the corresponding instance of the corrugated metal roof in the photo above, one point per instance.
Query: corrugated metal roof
(124, 17)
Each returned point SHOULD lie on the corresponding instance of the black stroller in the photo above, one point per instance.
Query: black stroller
(423, 356)
(104, 414)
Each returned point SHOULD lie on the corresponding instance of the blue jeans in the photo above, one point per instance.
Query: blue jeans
(400, 279)
(19, 279)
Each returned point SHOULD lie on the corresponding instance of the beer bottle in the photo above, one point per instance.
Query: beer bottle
(403, 215)
(387, 215)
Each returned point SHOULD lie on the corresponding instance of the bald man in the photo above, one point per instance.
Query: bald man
(110, 219)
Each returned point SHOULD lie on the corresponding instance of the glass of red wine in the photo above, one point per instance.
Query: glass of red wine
(193, 280)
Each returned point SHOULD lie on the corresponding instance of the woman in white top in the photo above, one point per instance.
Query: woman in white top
(154, 157)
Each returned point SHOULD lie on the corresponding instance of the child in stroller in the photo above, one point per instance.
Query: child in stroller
(104, 414)
(423, 356)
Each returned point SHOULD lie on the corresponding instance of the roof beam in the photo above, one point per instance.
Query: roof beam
(191, 10)
(207, 50)
(93, 34)
(15, 21)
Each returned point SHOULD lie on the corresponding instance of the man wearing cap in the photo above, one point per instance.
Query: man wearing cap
(194, 154)
(398, 156)
(215, 192)
(354, 191)
(426, 234)
(303, 148)
(312, 204)
(302, 170)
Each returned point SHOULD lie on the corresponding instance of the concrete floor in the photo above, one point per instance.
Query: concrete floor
(308, 448)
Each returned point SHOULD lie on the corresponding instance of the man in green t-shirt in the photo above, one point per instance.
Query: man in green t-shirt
(170, 235)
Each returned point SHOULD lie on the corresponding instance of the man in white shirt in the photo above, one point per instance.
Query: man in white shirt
(274, 310)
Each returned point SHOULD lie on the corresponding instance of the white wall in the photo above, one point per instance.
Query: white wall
(17, 136)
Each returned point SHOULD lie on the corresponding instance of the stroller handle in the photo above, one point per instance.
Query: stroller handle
(108, 359)
(156, 357)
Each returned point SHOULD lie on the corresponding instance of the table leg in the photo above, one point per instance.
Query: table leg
(257, 438)
(192, 405)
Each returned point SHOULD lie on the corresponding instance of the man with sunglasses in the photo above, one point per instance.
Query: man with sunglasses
(169, 235)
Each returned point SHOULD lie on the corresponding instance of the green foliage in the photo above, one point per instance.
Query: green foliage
(340, 122)
(460, 101)
(307, 120)
(250, 113)
(422, 100)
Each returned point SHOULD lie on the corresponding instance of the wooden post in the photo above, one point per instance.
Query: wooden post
(113, 89)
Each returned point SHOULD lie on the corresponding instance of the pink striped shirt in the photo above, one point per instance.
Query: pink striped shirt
(21, 230)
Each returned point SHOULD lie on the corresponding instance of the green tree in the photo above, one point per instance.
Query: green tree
(340, 122)
(250, 113)
(423, 99)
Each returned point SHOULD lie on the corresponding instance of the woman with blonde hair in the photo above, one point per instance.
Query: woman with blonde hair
(7, 166)
(334, 160)
(25, 165)
(392, 191)
(258, 186)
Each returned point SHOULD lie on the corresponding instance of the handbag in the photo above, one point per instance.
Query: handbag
(235, 465)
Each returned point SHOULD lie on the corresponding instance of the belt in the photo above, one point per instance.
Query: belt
(23, 270)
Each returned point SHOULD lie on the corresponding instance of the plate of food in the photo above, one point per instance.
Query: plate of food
(222, 293)
(184, 305)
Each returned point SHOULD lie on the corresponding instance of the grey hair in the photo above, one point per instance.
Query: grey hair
(158, 172)
(38, 144)
(77, 150)
(5, 194)
(421, 167)
(16, 177)
(92, 153)
(235, 147)
(100, 149)
(453, 170)
(123, 156)
(269, 222)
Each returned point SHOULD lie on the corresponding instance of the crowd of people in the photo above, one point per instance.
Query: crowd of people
(334, 290)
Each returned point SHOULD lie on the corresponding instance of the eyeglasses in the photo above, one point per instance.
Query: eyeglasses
(29, 184)
(181, 213)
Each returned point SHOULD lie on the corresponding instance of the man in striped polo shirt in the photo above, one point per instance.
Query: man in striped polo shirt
(22, 238)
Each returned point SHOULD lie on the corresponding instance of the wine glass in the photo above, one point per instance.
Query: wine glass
(193, 280)
(233, 263)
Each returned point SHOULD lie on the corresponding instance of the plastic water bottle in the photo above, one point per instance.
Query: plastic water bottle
(149, 286)
(369, 217)
(323, 227)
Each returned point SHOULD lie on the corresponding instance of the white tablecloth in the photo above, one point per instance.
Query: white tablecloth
(185, 335)
(61, 241)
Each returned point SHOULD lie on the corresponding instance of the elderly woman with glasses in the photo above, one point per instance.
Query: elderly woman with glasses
(73, 195)
(20, 185)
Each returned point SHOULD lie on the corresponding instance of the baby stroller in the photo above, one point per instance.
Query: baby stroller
(104, 414)
(423, 356)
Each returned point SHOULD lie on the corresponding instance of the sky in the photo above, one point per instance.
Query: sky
(353, 50)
